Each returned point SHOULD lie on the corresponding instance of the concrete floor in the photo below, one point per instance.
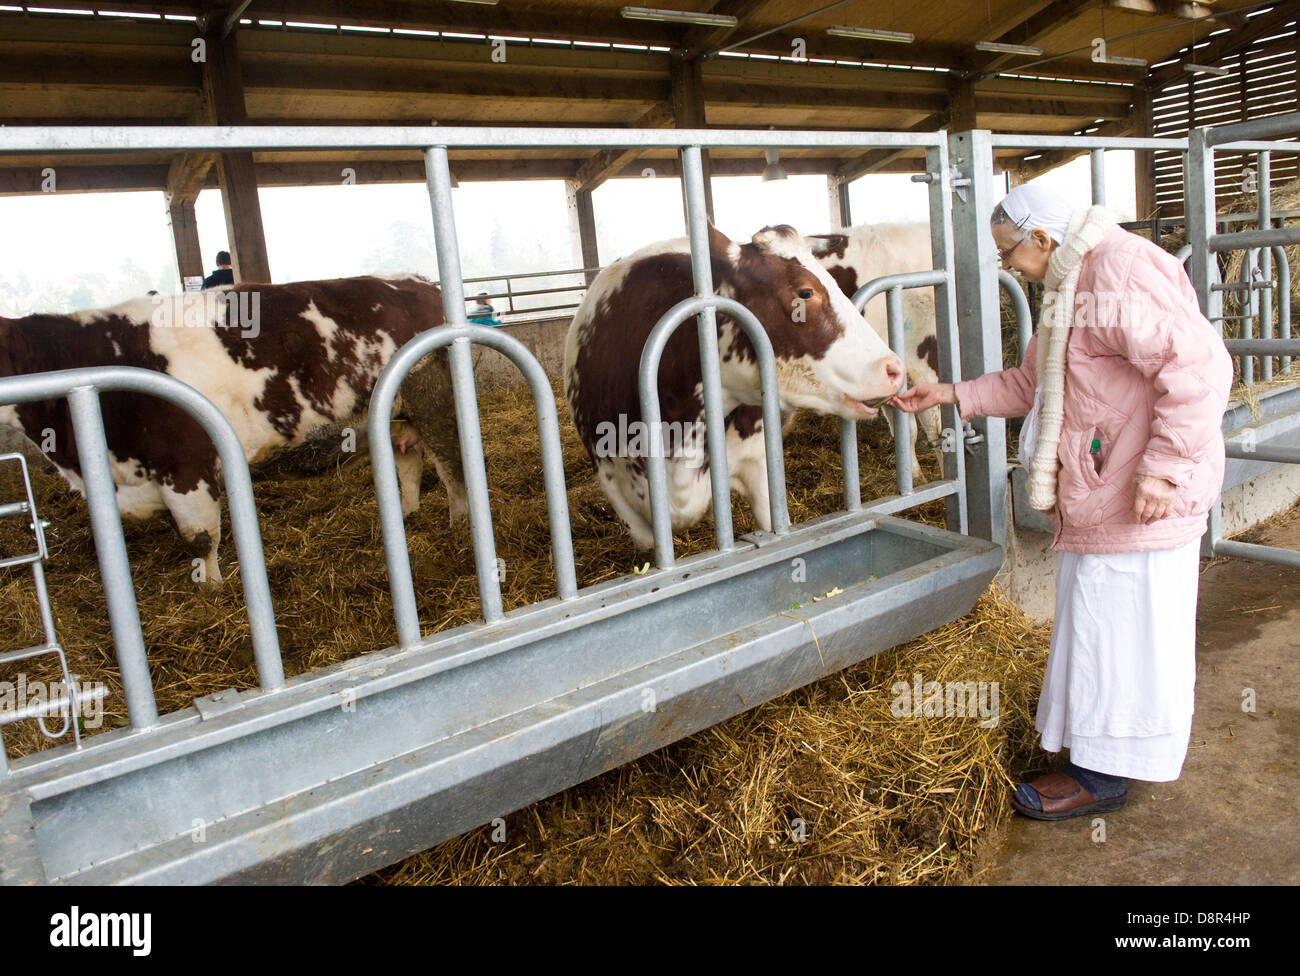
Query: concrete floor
(1231, 817)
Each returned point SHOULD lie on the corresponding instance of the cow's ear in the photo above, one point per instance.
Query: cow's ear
(825, 244)
(719, 244)
(781, 240)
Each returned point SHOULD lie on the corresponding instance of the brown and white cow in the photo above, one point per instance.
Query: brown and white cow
(828, 360)
(856, 256)
(281, 362)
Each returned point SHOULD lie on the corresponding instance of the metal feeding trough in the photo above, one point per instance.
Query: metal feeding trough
(335, 773)
(351, 768)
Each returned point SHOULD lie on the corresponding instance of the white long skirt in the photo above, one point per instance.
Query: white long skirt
(1121, 673)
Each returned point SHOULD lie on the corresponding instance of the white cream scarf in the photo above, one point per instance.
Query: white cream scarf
(1041, 435)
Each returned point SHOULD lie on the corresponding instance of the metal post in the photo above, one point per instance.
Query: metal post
(981, 327)
(711, 377)
(945, 320)
(1098, 159)
(110, 550)
(1202, 267)
(462, 383)
(902, 419)
(1265, 302)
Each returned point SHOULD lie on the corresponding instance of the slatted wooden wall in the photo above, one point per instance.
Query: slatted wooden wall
(1262, 80)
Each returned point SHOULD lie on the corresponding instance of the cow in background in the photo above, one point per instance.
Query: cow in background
(280, 362)
(869, 251)
(828, 360)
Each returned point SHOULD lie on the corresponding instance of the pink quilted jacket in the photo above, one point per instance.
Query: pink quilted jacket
(1147, 376)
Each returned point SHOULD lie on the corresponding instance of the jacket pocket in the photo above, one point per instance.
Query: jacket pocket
(1093, 462)
(1080, 489)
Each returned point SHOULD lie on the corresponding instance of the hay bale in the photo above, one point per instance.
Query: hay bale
(883, 799)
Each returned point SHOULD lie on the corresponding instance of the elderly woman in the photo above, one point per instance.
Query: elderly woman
(1124, 384)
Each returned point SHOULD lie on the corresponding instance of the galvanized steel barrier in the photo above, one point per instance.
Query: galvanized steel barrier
(1274, 438)
(334, 773)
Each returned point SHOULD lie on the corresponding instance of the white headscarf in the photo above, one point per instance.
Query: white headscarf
(1031, 206)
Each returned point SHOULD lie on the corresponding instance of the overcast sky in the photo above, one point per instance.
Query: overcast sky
(105, 247)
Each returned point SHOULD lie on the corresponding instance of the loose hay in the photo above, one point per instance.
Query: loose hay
(882, 798)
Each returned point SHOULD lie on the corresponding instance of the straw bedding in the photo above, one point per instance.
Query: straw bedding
(881, 798)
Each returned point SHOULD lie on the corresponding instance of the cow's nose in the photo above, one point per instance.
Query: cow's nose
(894, 370)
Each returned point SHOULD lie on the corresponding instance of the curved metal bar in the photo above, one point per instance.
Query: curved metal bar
(892, 286)
(384, 470)
(648, 377)
(1246, 276)
(239, 498)
(908, 279)
(1183, 253)
(1024, 319)
(1283, 300)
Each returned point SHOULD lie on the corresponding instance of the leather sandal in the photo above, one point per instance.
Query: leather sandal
(1062, 796)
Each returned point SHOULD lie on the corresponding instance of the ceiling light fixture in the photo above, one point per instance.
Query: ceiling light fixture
(679, 17)
(484, 3)
(1118, 59)
(871, 34)
(994, 47)
(773, 170)
(1205, 69)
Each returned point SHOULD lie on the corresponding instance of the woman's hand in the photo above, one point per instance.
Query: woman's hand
(1153, 498)
(922, 396)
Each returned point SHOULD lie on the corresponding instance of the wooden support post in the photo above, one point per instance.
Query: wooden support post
(582, 227)
(1144, 161)
(185, 178)
(961, 104)
(223, 91)
(185, 238)
(688, 113)
(837, 192)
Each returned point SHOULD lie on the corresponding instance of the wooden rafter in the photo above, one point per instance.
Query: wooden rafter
(607, 162)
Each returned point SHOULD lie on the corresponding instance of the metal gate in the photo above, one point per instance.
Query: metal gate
(332, 774)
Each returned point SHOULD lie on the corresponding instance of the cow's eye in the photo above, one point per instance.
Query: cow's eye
(805, 293)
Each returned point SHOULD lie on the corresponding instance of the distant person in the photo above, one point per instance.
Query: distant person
(483, 313)
(224, 275)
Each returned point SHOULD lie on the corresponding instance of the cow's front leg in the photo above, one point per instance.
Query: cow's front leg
(197, 515)
(747, 464)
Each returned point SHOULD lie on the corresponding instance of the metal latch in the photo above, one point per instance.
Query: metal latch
(956, 182)
(973, 439)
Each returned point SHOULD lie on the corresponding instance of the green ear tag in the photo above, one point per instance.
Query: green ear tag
(1096, 447)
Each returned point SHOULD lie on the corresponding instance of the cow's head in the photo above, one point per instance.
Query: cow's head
(828, 358)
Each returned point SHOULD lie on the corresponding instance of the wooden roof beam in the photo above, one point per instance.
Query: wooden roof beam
(608, 162)
(1028, 31)
(187, 175)
(701, 42)
(876, 160)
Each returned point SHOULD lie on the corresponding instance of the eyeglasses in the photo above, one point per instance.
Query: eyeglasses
(1004, 256)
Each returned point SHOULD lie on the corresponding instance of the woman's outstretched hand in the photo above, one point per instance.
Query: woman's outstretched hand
(923, 395)
(1153, 498)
